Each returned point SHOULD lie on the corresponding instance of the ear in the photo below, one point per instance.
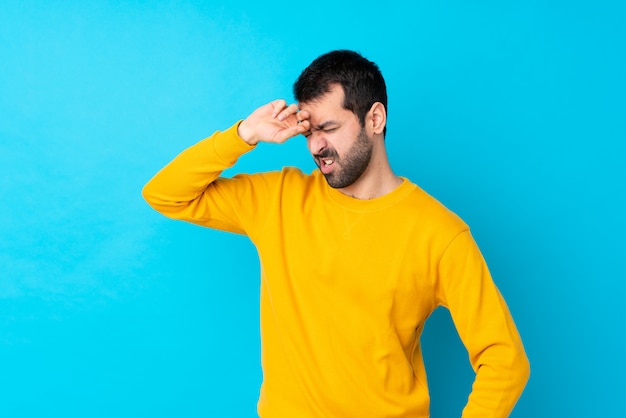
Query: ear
(378, 117)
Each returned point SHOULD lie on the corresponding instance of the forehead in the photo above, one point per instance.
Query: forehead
(327, 107)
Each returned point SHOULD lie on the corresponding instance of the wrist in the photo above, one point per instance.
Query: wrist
(245, 134)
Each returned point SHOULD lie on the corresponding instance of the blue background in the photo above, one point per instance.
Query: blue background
(511, 113)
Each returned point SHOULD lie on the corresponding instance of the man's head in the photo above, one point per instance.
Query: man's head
(361, 81)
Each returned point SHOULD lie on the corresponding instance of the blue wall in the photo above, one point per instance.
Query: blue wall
(511, 113)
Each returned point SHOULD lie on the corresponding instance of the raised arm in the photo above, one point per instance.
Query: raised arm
(189, 188)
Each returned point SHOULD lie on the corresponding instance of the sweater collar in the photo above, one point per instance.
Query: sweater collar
(365, 205)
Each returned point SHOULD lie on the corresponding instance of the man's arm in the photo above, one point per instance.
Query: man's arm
(189, 187)
(486, 328)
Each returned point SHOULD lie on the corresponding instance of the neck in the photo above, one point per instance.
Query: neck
(377, 180)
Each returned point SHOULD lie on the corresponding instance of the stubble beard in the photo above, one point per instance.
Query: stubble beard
(351, 166)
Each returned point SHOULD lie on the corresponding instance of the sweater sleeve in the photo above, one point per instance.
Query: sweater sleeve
(190, 188)
(486, 328)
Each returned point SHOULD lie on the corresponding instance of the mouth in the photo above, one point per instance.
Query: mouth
(326, 160)
(326, 165)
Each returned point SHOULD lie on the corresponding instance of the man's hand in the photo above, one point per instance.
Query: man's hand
(274, 122)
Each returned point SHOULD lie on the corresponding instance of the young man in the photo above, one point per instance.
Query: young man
(354, 258)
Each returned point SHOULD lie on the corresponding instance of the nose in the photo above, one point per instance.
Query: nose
(316, 142)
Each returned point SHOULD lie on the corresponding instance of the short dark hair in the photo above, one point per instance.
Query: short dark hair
(362, 82)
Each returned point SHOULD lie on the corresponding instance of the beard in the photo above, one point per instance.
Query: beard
(352, 165)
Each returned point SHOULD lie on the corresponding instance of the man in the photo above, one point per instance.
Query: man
(354, 258)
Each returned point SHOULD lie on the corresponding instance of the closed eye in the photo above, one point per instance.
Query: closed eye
(324, 127)
(327, 126)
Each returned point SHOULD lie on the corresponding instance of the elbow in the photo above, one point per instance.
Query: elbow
(523, 369)
(148, 195)
(154, 198)
(161, 202)
(513, 368)
(519, 373)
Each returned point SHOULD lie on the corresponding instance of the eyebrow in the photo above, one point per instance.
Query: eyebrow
(325, 125)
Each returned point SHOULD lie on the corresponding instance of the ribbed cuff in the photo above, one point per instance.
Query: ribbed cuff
(229, 146)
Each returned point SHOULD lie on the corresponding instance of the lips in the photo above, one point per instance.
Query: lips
(326, 160)
(326, 165)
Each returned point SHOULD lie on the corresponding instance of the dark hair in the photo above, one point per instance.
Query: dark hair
(362, 82)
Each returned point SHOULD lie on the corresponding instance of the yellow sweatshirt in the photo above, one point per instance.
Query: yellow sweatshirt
(347, 285)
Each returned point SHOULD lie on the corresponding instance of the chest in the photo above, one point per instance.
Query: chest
(368, 265)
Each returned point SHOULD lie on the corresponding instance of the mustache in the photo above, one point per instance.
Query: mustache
(327, 153)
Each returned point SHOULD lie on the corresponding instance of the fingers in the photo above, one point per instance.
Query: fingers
(302, 127)
(303, 115)
(304, 124)
(286, 121)
(281, 111)
(295, 130)
(283, 114)
(277, 107)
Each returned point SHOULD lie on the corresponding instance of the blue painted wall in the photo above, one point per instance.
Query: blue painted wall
(511, 113)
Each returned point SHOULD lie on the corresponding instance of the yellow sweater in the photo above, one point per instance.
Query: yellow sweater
(347, 285)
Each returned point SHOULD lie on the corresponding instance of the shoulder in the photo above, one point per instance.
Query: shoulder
(287, 175)
(291, 178)
(431, 214)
